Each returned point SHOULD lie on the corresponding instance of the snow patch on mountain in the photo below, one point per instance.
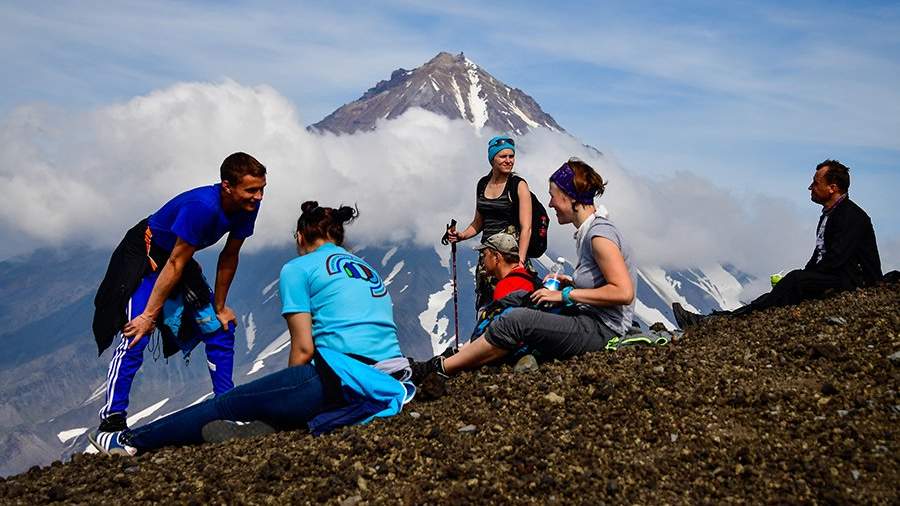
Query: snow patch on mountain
(664, 286)
(269, 287)
(280, 343)
(388, 255)
(137, 417)
(249, 330)
(477, 104)
(524, 117)
(457, 95)
(95, 394)
(201, 399)
(650, 315)
(723, 287)
(435, 325)
(396, 270)
(71, 434)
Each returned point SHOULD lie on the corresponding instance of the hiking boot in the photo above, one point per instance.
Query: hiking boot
(429, 377)
(218, 431)
(111, 443)
(115, 422)
(685, 318)
(421, 370)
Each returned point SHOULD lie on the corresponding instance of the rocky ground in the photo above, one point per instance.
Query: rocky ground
(795, 405)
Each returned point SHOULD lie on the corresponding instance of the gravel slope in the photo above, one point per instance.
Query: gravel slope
(794, 405)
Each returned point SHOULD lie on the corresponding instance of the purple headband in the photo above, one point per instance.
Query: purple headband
(564, 178)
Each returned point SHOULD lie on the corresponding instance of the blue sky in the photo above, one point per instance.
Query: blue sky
(750, 95)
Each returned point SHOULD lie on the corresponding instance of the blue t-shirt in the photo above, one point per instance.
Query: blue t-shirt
(351, 309)
(197, 217)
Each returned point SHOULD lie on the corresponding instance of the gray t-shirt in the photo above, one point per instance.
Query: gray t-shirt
(589, 275)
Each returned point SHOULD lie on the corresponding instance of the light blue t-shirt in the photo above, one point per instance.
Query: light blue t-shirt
(351, 309)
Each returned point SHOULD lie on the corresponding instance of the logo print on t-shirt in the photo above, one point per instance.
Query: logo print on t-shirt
(356, 269)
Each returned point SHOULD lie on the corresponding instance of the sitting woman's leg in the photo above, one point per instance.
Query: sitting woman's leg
(553, 335)
(286, 399)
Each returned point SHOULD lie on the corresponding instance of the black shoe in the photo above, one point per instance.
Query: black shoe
(421, 370)
(685, 318)
(218, 431)
(429, 377)
(115, 422)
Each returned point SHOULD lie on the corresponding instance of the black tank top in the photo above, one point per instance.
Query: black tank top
(500, 213)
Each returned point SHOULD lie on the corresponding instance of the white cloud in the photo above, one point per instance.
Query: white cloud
(89, 176)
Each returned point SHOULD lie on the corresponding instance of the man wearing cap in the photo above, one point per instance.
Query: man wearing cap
(500, 258)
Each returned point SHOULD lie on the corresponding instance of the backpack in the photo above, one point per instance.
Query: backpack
(540, 221)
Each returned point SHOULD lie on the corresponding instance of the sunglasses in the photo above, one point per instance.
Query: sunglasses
(501, 141)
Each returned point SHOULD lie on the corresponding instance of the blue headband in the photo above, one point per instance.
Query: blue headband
(564, 178)
(498, 144)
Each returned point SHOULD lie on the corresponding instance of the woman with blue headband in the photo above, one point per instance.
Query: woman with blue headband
(502, 204)
(595, 304)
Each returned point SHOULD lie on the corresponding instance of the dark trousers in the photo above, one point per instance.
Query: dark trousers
(553, 335)
(286, 400)
(797, 286)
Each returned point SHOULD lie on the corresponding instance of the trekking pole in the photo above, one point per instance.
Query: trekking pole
(445, 240)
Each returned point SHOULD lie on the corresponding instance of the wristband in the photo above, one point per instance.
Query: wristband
(565, 295)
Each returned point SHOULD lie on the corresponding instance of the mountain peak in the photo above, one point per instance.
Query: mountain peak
(450, 85)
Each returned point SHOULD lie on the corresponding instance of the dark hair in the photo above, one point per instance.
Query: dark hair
(586, 178)
(324, 222)
(509, 258)
(237, 165)
(837, 174)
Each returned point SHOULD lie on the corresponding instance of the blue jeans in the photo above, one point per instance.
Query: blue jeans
(286, 400)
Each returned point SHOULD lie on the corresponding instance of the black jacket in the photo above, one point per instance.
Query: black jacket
(850, 248)
(128, 265)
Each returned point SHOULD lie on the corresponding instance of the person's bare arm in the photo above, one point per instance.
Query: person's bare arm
(225, 269)
(300, 328)
(169, 276)
(470, 231)
(618, 290)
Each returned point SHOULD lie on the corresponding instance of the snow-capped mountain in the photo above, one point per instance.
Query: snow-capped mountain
(51, 380)
(452, 86)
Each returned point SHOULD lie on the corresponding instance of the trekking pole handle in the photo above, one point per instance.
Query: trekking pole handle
(451, 226)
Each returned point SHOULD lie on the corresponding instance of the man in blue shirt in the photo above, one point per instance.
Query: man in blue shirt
(153, 279)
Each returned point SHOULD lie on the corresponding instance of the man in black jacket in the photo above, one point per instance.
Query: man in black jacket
(845, 257)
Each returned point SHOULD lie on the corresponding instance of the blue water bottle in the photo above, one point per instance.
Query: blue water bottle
(552, 281)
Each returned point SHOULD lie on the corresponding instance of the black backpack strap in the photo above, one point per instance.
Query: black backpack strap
(482, 184)
(512, 186)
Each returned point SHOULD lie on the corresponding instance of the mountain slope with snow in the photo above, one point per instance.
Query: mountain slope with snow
(449, 85)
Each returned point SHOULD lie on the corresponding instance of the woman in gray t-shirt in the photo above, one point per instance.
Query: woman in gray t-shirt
(596, 305)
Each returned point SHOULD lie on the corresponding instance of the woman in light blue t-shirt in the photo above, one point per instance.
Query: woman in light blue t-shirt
(594, 306)
(345, 365)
